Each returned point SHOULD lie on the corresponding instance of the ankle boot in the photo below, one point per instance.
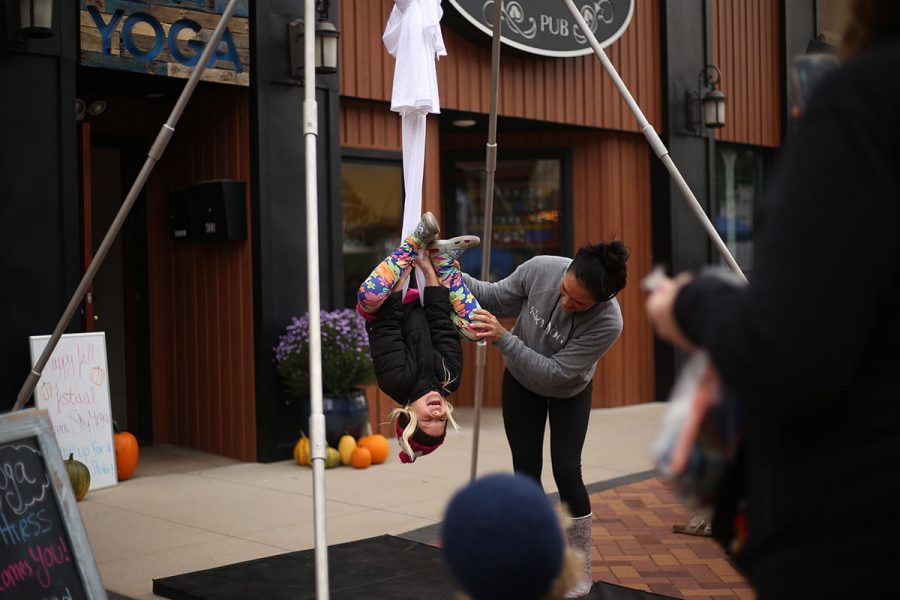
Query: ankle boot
(425, 231)
(452, 249)
(579, 536)
(443, 255)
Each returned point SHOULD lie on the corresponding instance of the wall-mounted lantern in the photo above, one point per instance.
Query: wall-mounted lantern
(326, 43)
(35, 18)
(706, 104)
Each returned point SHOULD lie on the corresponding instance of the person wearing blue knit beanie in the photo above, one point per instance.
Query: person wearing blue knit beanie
(502, 539)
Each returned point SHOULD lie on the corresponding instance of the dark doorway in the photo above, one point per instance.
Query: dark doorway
(117, 304)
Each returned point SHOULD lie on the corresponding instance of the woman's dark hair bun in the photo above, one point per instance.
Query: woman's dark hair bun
(601, 268)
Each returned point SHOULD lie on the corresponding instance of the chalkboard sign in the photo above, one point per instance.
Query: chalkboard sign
(44, 551)
(74, 389)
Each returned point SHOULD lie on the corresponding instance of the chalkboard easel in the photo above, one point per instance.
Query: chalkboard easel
(44, 551)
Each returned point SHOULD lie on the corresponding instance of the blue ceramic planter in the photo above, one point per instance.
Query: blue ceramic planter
(344, 413)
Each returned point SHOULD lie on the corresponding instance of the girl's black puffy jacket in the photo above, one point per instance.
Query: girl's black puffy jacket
(416, 349)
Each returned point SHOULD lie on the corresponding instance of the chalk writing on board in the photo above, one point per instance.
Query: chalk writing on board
(35, 551)
(74, 389)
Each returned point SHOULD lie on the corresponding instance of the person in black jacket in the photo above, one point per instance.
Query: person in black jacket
(811, 348)
(415, 346)
(417, 357)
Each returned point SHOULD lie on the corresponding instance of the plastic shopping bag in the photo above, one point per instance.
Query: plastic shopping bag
(699, 433)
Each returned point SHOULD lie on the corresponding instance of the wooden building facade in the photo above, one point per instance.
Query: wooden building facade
(569, 104)
(200, 318)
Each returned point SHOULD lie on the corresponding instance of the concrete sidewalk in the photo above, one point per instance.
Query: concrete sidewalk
(185, 510)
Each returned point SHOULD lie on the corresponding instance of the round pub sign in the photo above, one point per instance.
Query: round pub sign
(547, 27)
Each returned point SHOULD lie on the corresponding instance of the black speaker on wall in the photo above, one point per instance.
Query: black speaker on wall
(218, 210)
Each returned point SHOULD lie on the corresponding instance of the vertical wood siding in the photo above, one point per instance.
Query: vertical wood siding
(201, 293)
(370, 126)
(572, 90)
(201, 332)
(746, 47)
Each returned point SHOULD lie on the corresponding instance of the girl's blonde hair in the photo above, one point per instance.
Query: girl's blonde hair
(413, 422)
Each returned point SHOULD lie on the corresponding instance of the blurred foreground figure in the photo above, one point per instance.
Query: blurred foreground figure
(811, 347)
(502, 540)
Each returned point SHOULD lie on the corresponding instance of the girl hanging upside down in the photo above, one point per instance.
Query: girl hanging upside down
(416, 350)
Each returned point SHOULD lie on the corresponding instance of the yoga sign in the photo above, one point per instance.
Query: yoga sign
(547, 27)
(165, 37)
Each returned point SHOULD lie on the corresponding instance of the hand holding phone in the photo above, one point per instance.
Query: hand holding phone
(653, 278)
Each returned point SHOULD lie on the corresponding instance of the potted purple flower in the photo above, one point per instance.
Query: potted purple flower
(346, 366)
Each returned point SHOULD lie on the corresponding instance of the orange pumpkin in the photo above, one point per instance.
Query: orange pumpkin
(361, 458)
(302, 451)
(126, 452)
(377, 445)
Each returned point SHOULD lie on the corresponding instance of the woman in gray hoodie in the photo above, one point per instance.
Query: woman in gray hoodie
(567, 319)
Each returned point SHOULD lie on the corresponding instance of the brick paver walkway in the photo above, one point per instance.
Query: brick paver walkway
(634, 546)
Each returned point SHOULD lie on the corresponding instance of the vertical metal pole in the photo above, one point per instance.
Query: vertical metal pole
(490, 170)
(153, 156)
(316, 417)
(710, 138)
(655, 143)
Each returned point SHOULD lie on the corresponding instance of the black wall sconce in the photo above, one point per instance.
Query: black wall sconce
(36, 18)
(326, 43)
(26, 20)
(706, 104)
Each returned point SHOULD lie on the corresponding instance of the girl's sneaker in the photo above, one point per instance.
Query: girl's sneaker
(427, 229)
(453, 247)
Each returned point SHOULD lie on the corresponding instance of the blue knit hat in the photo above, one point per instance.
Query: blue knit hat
(502, 539)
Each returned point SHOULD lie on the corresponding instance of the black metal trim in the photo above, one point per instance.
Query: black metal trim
(371, 154)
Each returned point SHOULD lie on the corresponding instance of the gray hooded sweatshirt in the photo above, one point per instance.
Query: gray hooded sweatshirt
(551, 352)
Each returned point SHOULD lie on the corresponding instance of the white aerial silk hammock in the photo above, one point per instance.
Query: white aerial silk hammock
(413, 37)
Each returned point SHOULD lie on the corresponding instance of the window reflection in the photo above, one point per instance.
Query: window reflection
(739, 185)
(527, 207)
(372, 209)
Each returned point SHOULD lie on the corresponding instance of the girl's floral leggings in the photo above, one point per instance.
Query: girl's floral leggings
(377, 287)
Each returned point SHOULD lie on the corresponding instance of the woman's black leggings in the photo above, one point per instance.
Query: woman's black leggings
(524, 419)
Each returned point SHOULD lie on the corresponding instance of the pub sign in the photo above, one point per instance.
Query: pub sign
(546, 27)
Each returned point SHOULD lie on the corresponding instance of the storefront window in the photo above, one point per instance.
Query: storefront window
(832, 19)
(528, 202)
(739, 185)
(372, 208)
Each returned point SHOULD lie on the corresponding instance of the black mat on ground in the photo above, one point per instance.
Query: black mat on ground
(380, 568)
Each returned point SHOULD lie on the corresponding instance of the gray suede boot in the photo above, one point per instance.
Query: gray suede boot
(579, 536)
(426, 230)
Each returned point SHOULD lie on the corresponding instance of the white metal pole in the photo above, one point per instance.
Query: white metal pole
(153, 155)
(490, 170)
(656, 144)
(316, 417)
